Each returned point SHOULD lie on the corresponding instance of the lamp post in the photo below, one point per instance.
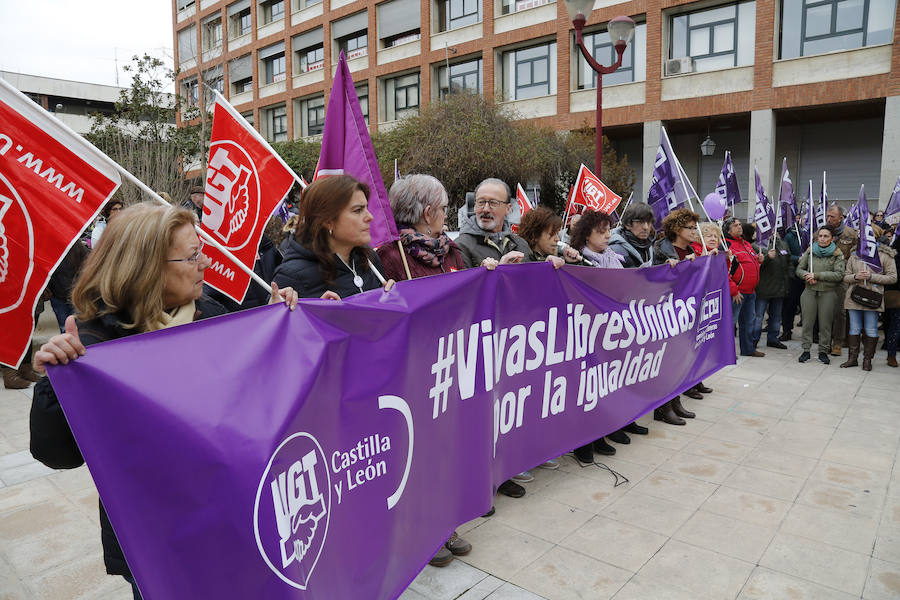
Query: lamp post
(621, 30)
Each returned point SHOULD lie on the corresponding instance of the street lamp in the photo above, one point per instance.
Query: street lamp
(621, 30)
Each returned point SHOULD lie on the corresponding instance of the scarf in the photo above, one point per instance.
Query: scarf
(427, 250)
(179, 316)
(608, 259)
(821, 252)
(636, 241)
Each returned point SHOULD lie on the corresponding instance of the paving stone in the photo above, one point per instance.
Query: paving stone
(815, 561)
(562, 574)
(690, 567)
(766, 584)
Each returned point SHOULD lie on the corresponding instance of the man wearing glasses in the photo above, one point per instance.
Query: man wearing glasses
(486, 239)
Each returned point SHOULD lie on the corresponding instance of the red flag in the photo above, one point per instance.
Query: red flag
(522, 199)
(591, 193)
(52, 184)
(245, 183)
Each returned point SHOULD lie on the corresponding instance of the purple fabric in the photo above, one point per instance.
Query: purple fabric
(669, 187)
(893, 205)
(763, 215)
(347, 149)
(867, 246)
(358, 434)
(727, 186)
(787, 202)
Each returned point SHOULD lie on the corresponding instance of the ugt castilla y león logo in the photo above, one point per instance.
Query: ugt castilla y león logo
(230, 209)
(292, 509)
(16, 265)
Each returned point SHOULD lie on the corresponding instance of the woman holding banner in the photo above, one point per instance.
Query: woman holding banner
(864, 319)
(822, 269)
(540, 228)
(146, 275)
(329, 257)
(419, 204)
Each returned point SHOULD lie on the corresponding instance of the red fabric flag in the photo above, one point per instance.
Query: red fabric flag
(522, 199)
(245, 183)
(52, 184)
(593, 194)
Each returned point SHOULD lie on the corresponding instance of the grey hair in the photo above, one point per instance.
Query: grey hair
(410, 195)
(838, 207)
(494, 181)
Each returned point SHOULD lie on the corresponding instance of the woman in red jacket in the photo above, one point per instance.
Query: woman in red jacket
(744, 273)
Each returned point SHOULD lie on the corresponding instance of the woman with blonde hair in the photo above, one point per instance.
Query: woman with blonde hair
(146, 275)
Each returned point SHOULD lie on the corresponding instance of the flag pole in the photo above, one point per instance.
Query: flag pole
(403, 258)
(141, 185)
(681, 177)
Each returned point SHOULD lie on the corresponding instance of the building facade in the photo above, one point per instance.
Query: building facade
(814, 81)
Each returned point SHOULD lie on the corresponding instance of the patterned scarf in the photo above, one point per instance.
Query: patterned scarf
(429, 251)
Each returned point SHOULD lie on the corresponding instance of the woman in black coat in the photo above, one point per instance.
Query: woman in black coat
(328, 256)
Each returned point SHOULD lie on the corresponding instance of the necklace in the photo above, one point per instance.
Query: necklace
(357, 280)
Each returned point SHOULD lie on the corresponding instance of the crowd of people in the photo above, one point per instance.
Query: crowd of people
(146, 273)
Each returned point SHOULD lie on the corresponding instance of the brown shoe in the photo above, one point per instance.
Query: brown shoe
(665, 414)
(892, 361)
(836, 349)
(852, 352)
(758, 354)
(28, 372)
(457, 545)
(691, 393)
(13, 381)
(868, 345)
(680, 410)
(443, 558)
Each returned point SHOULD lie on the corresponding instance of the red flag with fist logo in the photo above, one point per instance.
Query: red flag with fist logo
(245, 183)
(592, 194)
(52, 184)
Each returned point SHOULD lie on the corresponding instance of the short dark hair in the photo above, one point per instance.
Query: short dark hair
(747, 231)
(677, 220)
(589, 221)
(638, 211)
(107, 210)
(536, 222)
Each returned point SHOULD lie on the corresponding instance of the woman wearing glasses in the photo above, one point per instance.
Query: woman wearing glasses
(146, 275)
(329, 255)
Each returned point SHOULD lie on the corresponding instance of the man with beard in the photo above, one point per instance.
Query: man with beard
(845, 238)
(486, 239)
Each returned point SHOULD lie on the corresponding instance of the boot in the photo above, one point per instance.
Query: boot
(868, 345)
(13, 381)
(27, 371)
(892, 360)
(665, 414)
(852, 352)
(680, 410)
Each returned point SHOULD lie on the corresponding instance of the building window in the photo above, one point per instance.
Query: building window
(401, 96)
(214, 79)
(511, 6)
(465, 76)
(212, 32)
(274, 68)
(248, 116)
(276, 120)
(191, 91)
(355, 44)
(312, 114)
(453, 14)
(633, 59)
(401, 38)
(183, 4)
(362, 92)
(312, 59)
(240, 72)
(187, 44)
(715, 38)
(272, 11)
(530, 72)
(817, 26)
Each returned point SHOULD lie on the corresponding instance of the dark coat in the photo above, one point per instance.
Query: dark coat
(634, 257)
(775, 273)
(301, 270)
(664, 250)
(52, 442)
(268, 259)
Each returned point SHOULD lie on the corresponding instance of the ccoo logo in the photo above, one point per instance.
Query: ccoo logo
(231, 207)
(291, 513)
(16, 258)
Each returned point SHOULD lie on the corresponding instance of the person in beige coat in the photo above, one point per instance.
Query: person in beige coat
(864, 320)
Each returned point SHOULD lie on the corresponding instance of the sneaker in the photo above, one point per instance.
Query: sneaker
(619, 437)
(550, 465)
(803, 357)
(523, 477)
(823, 358)
(443, 558)
(776, 344)
(511, 488)
(601, 447)
(457, 545)
(636, 429)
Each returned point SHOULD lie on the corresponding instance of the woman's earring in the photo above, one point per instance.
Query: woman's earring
(330, 233)
(429, 231)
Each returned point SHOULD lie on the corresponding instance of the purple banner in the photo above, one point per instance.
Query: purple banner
(867, 245)
(763, 215)
(669, 188)
(328, 452)
(727, 185)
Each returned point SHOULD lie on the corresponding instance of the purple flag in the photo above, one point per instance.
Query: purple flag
(669, 188)
(347, 149)
(809, 219)
(893, 205)
(787, 202)
(822, 207)
(867, 247)
(763, 215)
(332, 451)
(852, 218)
(727, 186)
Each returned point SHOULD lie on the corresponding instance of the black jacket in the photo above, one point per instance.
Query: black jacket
(301, 270)
(52, 442)
(268, 259)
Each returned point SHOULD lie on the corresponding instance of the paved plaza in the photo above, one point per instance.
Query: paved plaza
(785, 486)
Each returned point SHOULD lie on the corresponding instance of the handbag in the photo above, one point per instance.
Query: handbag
(866, 297)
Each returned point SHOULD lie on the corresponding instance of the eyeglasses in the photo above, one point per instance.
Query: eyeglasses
(193, 258)
(492, 203)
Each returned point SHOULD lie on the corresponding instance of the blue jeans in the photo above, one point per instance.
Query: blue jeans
(774, 328)
(864, 319)
(744, 316)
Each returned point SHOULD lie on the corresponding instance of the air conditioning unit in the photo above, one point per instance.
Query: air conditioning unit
(679, 66)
